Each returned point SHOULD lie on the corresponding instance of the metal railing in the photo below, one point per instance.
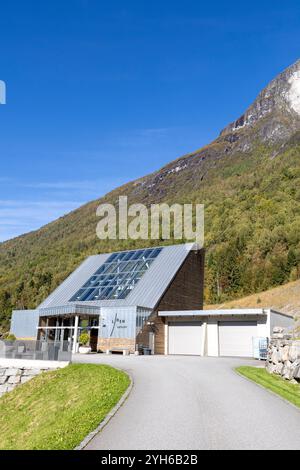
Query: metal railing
(36, 350)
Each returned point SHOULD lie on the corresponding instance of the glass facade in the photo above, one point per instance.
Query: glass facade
(141, 318)
(118, 276)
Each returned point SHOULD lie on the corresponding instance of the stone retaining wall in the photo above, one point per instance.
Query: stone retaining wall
(11, 377)
(284, 355)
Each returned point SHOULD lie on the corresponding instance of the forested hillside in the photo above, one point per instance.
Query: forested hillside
(249, 181)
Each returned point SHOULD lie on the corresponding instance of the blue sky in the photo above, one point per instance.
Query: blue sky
(99, 93)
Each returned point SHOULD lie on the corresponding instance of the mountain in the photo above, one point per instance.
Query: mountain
(248, 179)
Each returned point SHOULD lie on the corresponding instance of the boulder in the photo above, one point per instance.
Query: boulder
(294, 352)
(275, 357)
(3, 388)
(278, 335)
(296, 372)
(25, 378)
(287, 371)
(14, 379)
(270, 367)
(11, 372)
(295, 364)
(285, 353)
(278, 329)
(278, 368)
(31, 372)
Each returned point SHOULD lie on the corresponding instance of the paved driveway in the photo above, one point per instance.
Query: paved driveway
(181, 402)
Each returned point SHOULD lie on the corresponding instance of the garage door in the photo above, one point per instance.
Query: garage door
(185, 338)
(235, 338)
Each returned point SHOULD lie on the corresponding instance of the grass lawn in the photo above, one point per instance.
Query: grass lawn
(285, 389)
(57, 409)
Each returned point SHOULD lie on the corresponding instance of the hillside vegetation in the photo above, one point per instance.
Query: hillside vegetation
(252, 225)
(284, 298)
(249, 181)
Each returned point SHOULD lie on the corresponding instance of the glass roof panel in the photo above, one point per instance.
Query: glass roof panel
(129, 255)
(118, 276)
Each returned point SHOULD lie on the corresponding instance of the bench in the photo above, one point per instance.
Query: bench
(124, 351)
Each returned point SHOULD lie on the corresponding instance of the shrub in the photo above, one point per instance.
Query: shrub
(84, 339)
(10, 337)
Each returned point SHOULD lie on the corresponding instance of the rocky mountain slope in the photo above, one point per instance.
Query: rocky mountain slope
(249, 181)
(273, 119)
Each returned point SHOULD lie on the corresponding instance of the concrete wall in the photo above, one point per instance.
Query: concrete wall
(24, 323)
(279, 319)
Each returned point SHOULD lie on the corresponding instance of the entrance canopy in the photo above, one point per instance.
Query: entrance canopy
(70, 309)
(65, 323)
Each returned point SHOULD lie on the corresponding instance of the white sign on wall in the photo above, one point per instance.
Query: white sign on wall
(2, 92)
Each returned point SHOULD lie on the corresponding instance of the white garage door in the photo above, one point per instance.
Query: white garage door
(235, 338)
(185, 338)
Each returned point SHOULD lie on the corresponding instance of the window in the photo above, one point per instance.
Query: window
(118, 276)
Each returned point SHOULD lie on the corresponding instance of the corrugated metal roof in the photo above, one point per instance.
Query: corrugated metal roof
(215, 313)
(147, 292)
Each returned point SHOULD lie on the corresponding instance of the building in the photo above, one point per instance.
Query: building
(151, 298)
(227, 332)
(114, 295)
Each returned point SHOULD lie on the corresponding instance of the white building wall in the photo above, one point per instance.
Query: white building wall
(118, 322)
(24, 323)
(212, 338)
(265, 319)
(263, 326)
(279, 319)
(166, 338)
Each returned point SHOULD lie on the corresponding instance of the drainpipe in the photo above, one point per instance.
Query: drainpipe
(56, 331)
(75, 334)
(204, 339)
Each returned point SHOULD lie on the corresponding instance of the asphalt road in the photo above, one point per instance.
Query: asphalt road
(187, 403)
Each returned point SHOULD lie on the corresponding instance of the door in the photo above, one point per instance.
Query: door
(151, 341)
(185, 338)
(94, 339)
(235, 338)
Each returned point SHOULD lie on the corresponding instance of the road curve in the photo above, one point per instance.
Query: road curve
(181, 402)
